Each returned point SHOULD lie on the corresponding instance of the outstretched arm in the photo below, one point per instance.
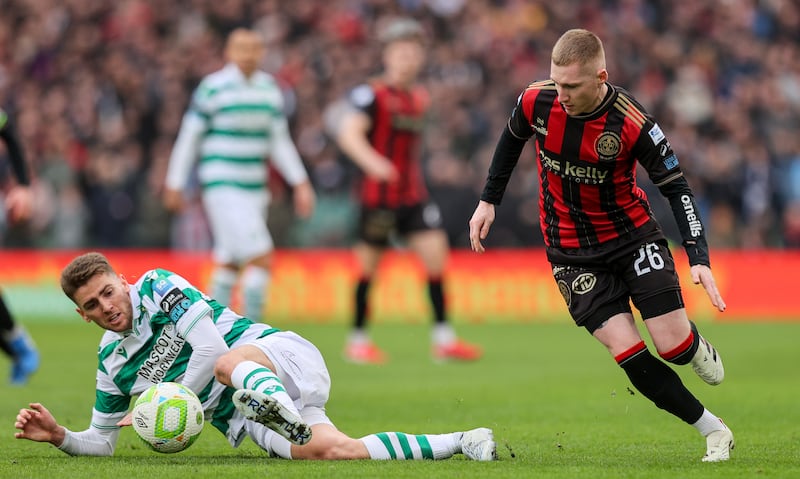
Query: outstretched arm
(38, 424)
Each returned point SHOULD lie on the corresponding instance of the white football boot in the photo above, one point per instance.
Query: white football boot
(718, 446)
(264, 409)
(707, 363)
(478, 445)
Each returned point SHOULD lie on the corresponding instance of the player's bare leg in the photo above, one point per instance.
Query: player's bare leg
(432, 248)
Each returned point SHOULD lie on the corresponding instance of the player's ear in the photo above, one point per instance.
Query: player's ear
(83, 316)
(125, 285)
(602, 75)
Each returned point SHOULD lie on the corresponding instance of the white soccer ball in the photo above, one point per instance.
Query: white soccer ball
(168, 417)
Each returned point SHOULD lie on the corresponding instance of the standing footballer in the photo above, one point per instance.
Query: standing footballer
(602, 240)
(381, 131)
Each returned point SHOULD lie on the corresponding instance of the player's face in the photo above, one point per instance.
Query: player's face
(580, 87)
(403, 60)
(104, 300)
(245, 49)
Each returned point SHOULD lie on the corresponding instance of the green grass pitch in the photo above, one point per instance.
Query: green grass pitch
(558, 404)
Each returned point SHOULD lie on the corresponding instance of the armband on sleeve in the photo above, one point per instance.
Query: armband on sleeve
(687, 216)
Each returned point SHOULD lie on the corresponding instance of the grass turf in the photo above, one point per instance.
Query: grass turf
(559, 406)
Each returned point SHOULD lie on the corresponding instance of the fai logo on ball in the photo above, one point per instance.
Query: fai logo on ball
(607, 146)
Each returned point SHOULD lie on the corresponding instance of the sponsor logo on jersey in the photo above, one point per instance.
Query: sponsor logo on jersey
(410, 123)
(607, 146)
(589, 175)
(671, 162)
(584, 283)
(122, 352)
(163, 353)
(175, 303)
(539, 127)
(161, 286)
(656, 134)
(695, 226)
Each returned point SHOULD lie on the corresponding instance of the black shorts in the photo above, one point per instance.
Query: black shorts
(378, 226)
(599, 283)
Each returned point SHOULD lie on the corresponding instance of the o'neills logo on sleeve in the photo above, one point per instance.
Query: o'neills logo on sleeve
(695, 226)
(163, 353)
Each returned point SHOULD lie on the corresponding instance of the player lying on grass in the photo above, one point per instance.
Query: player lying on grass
(253, 379)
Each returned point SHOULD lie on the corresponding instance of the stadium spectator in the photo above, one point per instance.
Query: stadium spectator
(235, 123)
(277, 380)
(380, 129)
(14, 340)
(70, 70)
(605, 247)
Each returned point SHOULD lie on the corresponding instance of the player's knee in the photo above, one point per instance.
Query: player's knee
(223, 367)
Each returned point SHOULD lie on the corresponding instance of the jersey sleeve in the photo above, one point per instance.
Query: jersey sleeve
(170, 297)
(178, 301)
(362, 98)
(284, 155)
(187, 145)
(507, 151)
(519, 123)
(654, 152)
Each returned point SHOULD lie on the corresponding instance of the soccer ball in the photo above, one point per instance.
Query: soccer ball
(168, 417)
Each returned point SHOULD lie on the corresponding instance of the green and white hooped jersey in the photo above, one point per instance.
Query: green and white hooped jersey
(165, 308)
(233, 125)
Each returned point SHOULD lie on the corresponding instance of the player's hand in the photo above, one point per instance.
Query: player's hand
(173, 200)
(479, 225)
(701, 274)
(38, 424)
(19, 203)
(126, 421)
(304, 200)
(381, 169)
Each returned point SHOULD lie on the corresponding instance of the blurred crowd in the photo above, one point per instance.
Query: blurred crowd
(97, 89)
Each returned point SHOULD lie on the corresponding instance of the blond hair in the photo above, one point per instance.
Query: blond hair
(81, 269)
(579, 46)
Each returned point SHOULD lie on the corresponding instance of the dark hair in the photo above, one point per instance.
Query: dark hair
(81, 269)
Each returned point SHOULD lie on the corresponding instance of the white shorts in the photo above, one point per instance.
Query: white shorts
(238, 220)
(303, 372)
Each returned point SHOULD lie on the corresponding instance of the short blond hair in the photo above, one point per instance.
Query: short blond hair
(579, 46)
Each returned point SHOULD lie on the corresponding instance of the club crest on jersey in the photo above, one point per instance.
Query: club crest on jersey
(607, 146)
(584, 283)
(563, 288)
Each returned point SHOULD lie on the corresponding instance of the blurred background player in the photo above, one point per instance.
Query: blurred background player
(381, 131)
(235, 121)
(14, 340)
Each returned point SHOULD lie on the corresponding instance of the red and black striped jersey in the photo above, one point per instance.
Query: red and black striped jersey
(397, 117)
(587, 164)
